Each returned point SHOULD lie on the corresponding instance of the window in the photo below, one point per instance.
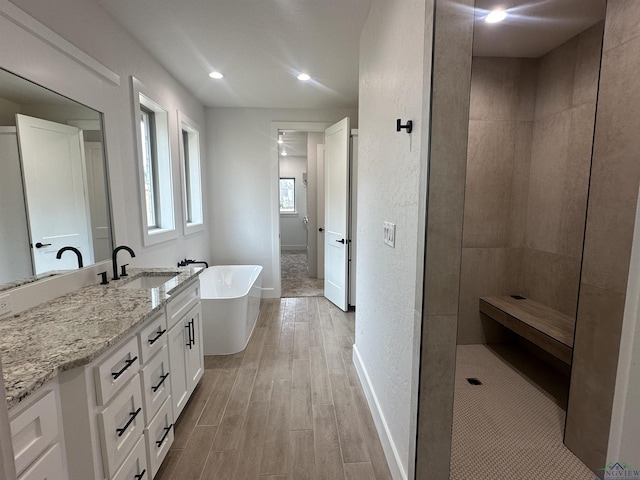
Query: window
(154, 164)
(287, 195)
(149, 166)
(191, 174)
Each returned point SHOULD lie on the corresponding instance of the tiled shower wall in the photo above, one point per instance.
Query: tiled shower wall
(609, 233)
(530, 137)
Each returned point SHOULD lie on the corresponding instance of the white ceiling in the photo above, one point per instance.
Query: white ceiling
(533, 27)
(259, 45)
(294, 143)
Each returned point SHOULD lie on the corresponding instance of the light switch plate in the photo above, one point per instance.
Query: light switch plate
(389, 230)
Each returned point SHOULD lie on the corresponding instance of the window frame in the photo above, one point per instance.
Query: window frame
(191, 172)
(164, 227)
(295, 209)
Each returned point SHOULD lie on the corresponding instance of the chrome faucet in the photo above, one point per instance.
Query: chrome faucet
(72, 249)
(115, 261)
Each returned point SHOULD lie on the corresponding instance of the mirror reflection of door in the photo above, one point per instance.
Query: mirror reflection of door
(15, 257)
(54, 173)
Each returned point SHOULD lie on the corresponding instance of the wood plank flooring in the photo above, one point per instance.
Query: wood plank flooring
(289, 407)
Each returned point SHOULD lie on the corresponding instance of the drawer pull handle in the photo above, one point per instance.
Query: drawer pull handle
(164, 437)
(140, 475)
(133, 417)
(157, 337)
(124, 369)
(162, 379)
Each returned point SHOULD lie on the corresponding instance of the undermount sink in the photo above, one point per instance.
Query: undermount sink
(148, 281)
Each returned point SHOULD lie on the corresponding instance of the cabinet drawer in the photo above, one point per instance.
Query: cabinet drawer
(159, 437)
(116, 370)
(47, 467)
(179, 305)
(135, 466)
(155, 383)
(121, 425)
(153, 336)
(33, 430)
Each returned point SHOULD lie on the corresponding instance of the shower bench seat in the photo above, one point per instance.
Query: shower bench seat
(547, 328)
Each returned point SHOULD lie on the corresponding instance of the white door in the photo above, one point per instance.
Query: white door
(54, 173)
(336, 221)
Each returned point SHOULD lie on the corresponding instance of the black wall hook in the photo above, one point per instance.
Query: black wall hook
(408, 126)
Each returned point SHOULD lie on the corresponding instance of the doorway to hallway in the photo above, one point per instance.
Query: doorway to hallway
(295, 279)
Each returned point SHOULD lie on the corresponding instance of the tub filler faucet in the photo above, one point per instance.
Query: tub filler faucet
(185, 262)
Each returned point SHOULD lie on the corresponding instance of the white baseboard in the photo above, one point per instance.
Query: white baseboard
(293, 247)
(389, 447)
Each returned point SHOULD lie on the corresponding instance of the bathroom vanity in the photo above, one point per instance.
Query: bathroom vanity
(96, 379)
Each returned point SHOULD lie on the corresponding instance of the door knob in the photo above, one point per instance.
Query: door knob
(40, 245)
(321, 229)
(340, 241)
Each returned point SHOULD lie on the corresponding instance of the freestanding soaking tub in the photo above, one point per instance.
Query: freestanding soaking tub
(230, 296)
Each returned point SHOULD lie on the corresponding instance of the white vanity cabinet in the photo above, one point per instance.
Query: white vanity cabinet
(37, 436)
(118, 411)
(185, 345)
(113, 408)
(103, 412)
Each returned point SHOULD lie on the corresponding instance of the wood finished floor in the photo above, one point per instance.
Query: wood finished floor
(289, 407)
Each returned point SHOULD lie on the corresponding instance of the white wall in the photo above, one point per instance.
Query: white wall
(313, 140)
(242, 183)
(15, 255)
(391, 86)
(8, 112)
(624, 437)
(89, 27)
(293, 232)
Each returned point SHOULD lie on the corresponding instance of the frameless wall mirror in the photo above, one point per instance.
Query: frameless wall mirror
(54, 186)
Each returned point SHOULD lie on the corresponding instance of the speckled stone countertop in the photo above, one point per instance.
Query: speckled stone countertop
(74, 329)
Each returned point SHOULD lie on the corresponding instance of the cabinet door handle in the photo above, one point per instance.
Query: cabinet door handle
(124, 369)
(166, 432)
(121, 431)
(159, 333)
(140, 475)
(193, 331)
(162, 379)
(188, 327)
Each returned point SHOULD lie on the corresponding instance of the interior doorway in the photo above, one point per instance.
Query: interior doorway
(298, 206)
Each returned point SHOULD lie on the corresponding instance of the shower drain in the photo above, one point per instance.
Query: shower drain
(474, 381)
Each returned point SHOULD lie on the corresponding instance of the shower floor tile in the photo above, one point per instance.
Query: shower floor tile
(511, 426)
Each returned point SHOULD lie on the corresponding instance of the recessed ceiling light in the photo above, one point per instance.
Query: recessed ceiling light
(284, 154)
(216, 75)
(304, 77)
(496, 16)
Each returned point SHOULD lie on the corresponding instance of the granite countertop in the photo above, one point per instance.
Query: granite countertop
(74, 329)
